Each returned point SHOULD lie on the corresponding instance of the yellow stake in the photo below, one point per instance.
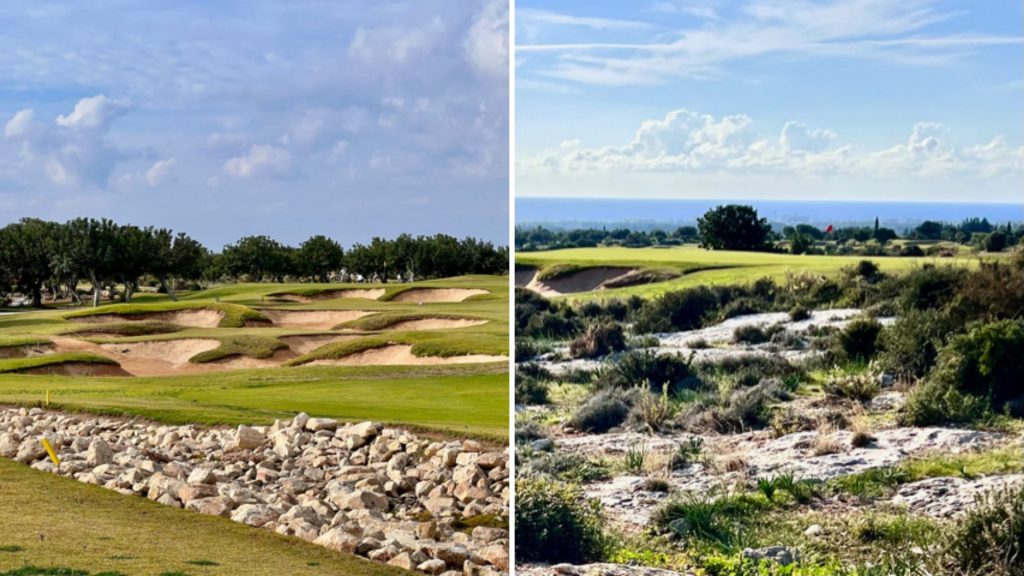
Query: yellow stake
(47, 397)
(49, 450)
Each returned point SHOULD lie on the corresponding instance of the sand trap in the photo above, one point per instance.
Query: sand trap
(25, 351)
(435, 324)
(401, 354)
(524, 275)
(318, 319)
(172, 352)
(77, 369)
(307, 343)
(365, 293)
(430, 295)
(583, 281)
(199, 318)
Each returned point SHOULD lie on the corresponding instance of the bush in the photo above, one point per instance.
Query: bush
(530, 390)
(911, 251)
(988, 362)
(569, 467)
(990, 539)
(602, 412)
(936, 402)
(716, 518)
(556, 523)
(677, 311)
(930, 287)
(749, 334)
(638, 368)
(742, 410)
(858, 387)
(859, 339)
(799, 313)
(599, 340)
(652, 412)
(910, 346)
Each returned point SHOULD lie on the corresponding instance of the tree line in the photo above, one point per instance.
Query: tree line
(38, 256)
(738, 227)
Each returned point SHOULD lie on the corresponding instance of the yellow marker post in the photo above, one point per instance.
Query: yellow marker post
(47, 397)
(49, 450)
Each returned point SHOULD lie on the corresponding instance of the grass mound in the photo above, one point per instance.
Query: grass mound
(232, 315)
(35, 362)
(248, 346)
(128, 329)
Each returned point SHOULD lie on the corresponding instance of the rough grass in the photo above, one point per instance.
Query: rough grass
(22, 364)
(127, 329)
(702, 267)
(441, 344)
(22, 341)
(58, 523)
(234, 315)
(385, 320)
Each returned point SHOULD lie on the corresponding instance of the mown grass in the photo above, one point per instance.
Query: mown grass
(22, 364)
(465, 400)
(49, 523)
(234, 315)
(385, 320)
(697, 266)
(441, 344)
(127, 329)
(22, 341)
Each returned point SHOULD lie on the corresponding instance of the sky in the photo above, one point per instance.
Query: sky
(872, 100)
(224, 119)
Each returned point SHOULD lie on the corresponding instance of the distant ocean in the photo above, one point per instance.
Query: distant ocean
(649, 214)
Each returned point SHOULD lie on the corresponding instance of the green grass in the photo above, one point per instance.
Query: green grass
(51, 522)
(234, 315)
(22, 364)
(22, 341)
(144, 328)
(457, 400)
(697, 266)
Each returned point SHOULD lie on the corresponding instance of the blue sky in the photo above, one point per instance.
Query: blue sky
(914, 100)
(348, 118)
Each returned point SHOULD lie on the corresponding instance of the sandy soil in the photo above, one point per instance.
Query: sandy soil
(171, 352)
(430, 295)
(524, 276)
(78, 369)
(317, 319)
(582, 281)
(25, 351)
(307, 343)
(402, 354)
(192, 318)
(366, 293)
(435, 324)
(244, 362)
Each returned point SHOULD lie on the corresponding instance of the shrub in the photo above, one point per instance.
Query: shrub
(990, 539)
(866, 269)
(859, 339)
(686, 453)
(911, 251)
(676, 311)
(718, 518)
(530, 390)
(527, 349)
(743, 409)
(860, 387)
(556, 523)
(936, 402)
(637, 368)
(528, 432)
(749, 334)
(799, 313)
(599, 340)
(602, 412)
(930, 287)
(910, 346)
(569, 467)
(652, 412)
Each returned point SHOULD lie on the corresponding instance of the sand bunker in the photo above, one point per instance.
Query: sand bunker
(199, 318)
(317, 319)
(401, 354)
(172, 352)
(365, 293)
(524, 275)
(244, 362)
(583, 281)
(430, 295)
(25, 351)
(78, 369)
(435, 324)
(307, 343)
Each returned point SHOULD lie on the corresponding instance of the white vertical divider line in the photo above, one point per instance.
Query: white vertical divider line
(511, 282)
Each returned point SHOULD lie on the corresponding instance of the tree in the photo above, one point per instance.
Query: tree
(90, 248)
(27, 251)
(733, 227)
(318, 256)
(995, 242)
(929, 230)
(800, 244)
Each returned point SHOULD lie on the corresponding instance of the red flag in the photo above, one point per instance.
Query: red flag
(829, 229)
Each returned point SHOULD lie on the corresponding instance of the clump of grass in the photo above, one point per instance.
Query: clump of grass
(652, 412)
(11, 548)
(601, 412)
(636, 458)
(862, 439)
(656, 484)
(686, 453)
(749, 334)
(860, 387)
(250, 346)
(713, 517)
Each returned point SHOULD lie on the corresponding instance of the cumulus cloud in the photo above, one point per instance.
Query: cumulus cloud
(486, 41)
(95, 113)
(262, 160)
(74, 149)
(687, 141)
(160, 172)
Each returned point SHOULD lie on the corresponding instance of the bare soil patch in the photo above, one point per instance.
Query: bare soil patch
(431, 295)
(402, 354)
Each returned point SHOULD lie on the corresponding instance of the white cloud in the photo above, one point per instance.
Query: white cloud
(688, 142)
(95, 113)
(19, 124)
(260, 160)
(533, 17)
(396, 45)
(486, 41)
(160, 171)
